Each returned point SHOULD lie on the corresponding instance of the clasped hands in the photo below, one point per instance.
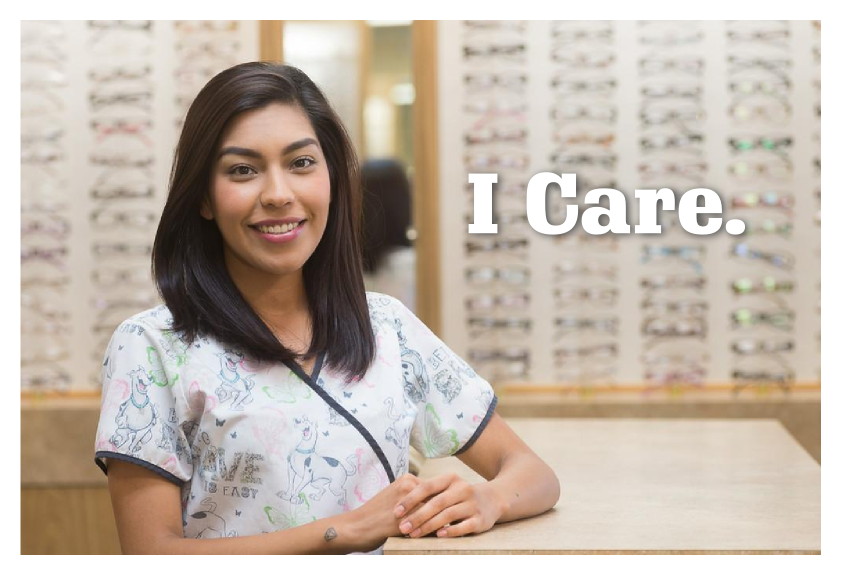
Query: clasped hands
(445, 505)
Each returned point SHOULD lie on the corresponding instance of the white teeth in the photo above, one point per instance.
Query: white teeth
(278, 228)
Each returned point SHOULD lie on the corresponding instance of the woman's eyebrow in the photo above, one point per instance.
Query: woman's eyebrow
(241, 151)
(299, 144)
(244, 152)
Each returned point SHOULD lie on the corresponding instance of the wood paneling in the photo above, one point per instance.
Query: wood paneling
(426, 179)
(271, 40)
(67, 520)
(57, 443)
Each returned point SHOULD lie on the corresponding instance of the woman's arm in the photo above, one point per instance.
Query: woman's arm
(147, 509)
(519, 484)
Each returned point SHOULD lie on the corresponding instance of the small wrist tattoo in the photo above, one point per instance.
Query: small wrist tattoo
(330, 534)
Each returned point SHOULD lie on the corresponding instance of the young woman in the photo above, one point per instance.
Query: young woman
(268, 407)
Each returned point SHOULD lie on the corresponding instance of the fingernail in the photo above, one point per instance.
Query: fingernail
(406, 527)
(415, 533)
(399, 510)
(441, 533)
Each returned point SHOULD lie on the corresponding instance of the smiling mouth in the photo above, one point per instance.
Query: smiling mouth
(278, 228)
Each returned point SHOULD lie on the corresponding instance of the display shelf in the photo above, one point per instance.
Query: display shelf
(724, 105)
(103, 101)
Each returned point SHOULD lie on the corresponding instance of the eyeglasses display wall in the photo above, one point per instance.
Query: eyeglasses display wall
(733, 106)
(101, 107)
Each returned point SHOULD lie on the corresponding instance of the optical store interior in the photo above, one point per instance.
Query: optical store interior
(672, 328)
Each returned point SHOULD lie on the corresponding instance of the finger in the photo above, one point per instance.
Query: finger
(465, 527)
(421, 493)
(406, 484)
(454, 495)
(442, 519)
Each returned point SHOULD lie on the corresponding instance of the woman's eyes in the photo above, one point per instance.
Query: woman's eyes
(242, 170)
(303, 162)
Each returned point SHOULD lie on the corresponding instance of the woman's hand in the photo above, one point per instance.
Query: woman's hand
(449, 506)
(517, 484)
(374, 521)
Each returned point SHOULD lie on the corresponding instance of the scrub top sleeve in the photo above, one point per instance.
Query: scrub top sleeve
(139, 420)
(453, 402)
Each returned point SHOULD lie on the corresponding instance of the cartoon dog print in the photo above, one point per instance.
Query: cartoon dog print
(447, 384)
(308, 469)
(234, 387)
(214, 524)
(137, 415)
(414, 374)
(395, 434)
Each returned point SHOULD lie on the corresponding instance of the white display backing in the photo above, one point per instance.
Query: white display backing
(181, 58)
(717, 266)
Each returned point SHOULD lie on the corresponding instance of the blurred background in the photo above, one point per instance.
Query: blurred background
(669, 325)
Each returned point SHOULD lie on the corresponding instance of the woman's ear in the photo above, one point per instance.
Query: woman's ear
(205, 210)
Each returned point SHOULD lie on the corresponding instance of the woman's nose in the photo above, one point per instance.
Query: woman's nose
(277, 190)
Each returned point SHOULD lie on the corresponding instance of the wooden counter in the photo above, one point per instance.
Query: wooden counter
(656, 486)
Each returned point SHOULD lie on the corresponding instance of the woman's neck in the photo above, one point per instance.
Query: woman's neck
(281, 302)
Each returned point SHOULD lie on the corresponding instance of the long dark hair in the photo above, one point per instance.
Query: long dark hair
(187, 257)
(387, 209)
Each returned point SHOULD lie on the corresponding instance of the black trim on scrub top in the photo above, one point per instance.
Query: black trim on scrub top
(99, 459)
(308, 380)
(481, 426)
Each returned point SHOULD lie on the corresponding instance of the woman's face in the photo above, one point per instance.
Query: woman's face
(269, 193)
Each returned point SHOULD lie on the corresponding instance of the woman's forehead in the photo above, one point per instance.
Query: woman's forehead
(274, 122)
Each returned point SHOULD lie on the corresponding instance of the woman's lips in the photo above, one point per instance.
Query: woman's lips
(279, 232)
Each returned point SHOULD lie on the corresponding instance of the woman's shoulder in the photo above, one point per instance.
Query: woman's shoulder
(385, 309)
(388, 310)
(377, 300)
(153, 316)
(153, 329)
(154, 320)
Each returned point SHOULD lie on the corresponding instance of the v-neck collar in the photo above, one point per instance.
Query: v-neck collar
(317, 368)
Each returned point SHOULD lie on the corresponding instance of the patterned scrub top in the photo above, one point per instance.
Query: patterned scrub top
(258, 447)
